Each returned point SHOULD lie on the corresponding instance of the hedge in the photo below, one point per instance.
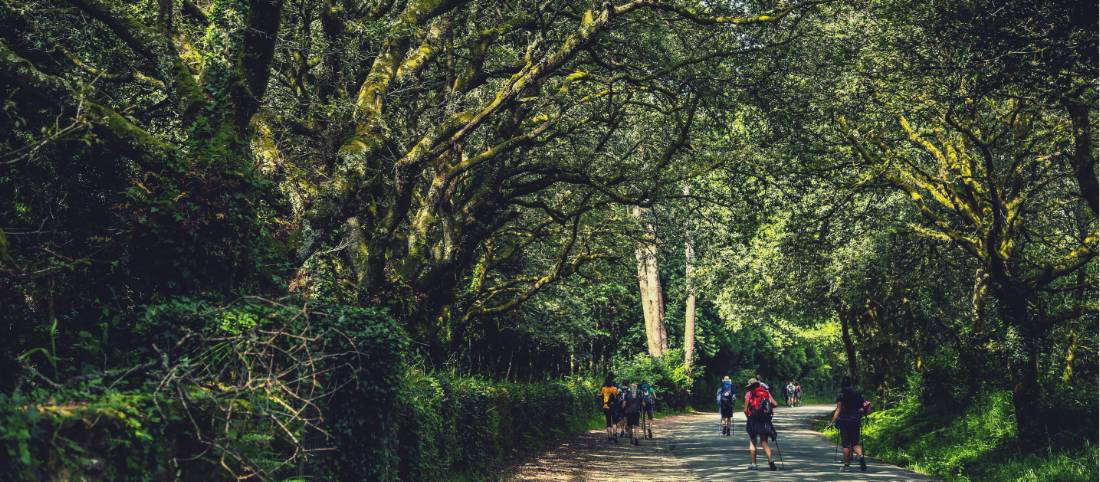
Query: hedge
(377, 418)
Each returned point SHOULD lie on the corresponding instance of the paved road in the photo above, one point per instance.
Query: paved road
(689, 448)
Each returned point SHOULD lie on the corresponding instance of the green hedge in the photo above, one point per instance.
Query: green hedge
(376, 419)
(464, 428)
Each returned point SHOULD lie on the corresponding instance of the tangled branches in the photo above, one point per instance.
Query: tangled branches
(255, 389)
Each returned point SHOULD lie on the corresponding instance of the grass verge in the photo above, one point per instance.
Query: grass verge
(980, 444)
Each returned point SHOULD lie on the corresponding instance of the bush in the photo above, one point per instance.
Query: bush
(667, 375)
(318, 391)
(252, 387)
(466, 427)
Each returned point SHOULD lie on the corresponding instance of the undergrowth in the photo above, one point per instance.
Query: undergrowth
(978, 444)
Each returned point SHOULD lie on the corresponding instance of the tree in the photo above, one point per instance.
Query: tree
(982, 178)
(649, 287)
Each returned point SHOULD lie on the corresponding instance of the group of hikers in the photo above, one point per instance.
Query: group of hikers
(792, 393)
(625, 406)
(622, 408)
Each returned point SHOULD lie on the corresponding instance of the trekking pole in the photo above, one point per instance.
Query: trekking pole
(862, 445)
(775, 438)
(836, 448)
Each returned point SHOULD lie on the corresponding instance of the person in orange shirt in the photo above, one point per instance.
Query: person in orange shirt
(609, 393)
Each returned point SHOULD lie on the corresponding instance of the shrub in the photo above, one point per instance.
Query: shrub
(466, 427)
(666, 374)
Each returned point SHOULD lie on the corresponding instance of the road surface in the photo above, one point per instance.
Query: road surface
(689, 448)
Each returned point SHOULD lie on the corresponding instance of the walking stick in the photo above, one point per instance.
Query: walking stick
(836, 446)
(775, 438)
(862, 445)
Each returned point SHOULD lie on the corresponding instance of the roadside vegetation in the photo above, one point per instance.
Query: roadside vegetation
(397, 239)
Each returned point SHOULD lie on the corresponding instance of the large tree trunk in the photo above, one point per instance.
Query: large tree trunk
(846, 316)
(1023, 365)
(1082, 160)
(689, 305)
(649, 287)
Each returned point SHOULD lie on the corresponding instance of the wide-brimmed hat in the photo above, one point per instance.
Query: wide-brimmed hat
(752, 381)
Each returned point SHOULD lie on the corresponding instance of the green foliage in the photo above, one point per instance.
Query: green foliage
(978, 442)
(666, 374)
(111, 435)
(467, 427)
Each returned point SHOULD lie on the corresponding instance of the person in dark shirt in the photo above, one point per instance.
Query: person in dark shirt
(632, 407)
(847, 417)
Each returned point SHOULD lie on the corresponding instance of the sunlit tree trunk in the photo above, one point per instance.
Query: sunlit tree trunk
(689, 305)
(649, 287)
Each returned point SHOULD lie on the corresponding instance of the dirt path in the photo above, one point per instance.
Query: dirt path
(689, 448)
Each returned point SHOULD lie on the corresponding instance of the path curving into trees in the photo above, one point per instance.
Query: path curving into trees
(688, 448)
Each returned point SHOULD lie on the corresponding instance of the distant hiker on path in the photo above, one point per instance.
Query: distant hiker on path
(610, 396)
(725, 398)
(632, 404)
(850, 407)
(758, 409)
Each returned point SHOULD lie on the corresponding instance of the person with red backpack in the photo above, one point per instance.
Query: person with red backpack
(758, 409)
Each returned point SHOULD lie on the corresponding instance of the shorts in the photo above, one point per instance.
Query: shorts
(607, 416)
(758, 428)
(727, 412)
(616, 415)
(647, 408)
(632, 419)
(849, 432)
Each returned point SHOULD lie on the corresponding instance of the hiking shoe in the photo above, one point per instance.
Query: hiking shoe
(771, 465)
(845, 468)
(863, 464)
(752, 466)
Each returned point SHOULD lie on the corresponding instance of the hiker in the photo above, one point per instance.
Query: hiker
(632, 405)
(850, 407)
(649, 400)
(797, 393)
(620, 417)
(725, 399)
(760, 380)
(758, 410)
(609, 393)
(788, 392)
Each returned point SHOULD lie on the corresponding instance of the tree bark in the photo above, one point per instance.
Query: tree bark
(1082, 160)
(689, 305)
(845, 335)
(649, 286)
(1023, 364)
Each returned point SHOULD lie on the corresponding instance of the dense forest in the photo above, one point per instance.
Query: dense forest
(324, 239)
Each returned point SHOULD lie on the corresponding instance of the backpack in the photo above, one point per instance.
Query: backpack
(759, 405)
(608, 397)
(727, 398)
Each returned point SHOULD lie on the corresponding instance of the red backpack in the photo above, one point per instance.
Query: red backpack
(759, 405)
